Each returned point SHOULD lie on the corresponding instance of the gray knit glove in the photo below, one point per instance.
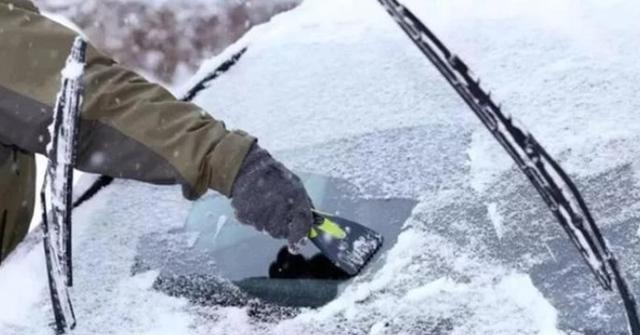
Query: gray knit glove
(269, 197)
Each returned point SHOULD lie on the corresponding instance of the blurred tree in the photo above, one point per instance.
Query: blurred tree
(167, 40)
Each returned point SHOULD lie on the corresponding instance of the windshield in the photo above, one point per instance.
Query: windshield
(218, 248)
(341, 95)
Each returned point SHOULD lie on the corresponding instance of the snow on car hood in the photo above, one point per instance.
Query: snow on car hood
(336, 89)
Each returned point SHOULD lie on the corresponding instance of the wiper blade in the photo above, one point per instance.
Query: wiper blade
(58, 187)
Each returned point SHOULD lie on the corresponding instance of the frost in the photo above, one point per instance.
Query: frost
(496, 219)
(525, 295)
(359, 252)
(436, 287)
(192, 239)
(378, 329)
(222, 220)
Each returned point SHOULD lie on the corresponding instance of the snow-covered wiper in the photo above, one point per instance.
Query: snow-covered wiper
(213, 75)
(552, 183)
(58, 187)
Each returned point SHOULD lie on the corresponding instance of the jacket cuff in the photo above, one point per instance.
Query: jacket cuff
(226, 160)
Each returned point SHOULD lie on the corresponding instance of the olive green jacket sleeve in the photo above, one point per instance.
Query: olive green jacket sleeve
(129, 128)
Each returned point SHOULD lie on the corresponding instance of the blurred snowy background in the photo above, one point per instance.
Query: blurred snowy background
(165, 39)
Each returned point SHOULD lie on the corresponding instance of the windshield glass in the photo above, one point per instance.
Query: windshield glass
(219, 248)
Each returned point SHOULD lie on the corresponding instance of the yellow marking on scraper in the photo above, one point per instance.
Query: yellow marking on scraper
(330, 228)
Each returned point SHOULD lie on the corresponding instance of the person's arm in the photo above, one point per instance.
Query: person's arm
(130, 128)
(134, 129)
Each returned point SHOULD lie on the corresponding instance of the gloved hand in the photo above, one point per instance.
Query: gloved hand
(271, 198)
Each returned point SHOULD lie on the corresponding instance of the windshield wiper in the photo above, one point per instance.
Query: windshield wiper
(58, 187)
(552, 183)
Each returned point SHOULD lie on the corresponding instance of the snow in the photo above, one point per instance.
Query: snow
(484, 160)
(527, 296)
(436, 300)
(431, 289)
(335, 88)
(14, 278)
(378, 329)
(63, 21)
(73, 70)
(359, 252)
(496, 219)
(518, 286)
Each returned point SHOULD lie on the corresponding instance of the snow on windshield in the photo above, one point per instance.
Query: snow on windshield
(335, 88)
